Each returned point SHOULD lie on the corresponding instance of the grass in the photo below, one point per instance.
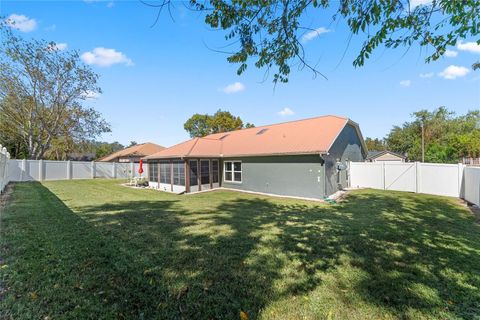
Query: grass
(98, 250)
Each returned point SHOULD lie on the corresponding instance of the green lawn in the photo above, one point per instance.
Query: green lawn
(98, 250)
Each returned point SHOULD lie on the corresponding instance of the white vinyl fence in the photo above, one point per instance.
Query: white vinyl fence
(472, 185)
(453, 180)
(40, 170)
(4, 159)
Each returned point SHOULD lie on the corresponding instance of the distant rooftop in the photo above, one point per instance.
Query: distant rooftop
(138, 150)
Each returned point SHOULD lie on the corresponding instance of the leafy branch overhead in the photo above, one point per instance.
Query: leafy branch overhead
(270, 31)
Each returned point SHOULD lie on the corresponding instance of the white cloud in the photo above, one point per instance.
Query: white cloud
(472, 47)
(426, 75)
(91, 95)
(453, 72)
(416, 3)
(286, 112)
(234, 88)
(314, 33)
(451, 53)
(405, 83)
(104, 57)
(58, 47)
(21, 22)
(53, 27)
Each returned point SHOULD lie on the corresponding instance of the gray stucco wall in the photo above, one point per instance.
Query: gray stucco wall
(347, 147)
(301, 176)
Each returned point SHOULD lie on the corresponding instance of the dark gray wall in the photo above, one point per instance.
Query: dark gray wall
(301, 176)
(347, 147)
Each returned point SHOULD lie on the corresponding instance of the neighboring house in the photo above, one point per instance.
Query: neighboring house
(133, 153)
(385, 156)
(298, 158)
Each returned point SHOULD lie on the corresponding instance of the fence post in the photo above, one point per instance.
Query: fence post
(418, 176)
(69, 170)
(24, 170)
(383, 175)
(40, 170)
(461, 168)
(93, 170)
(114, 170)
(6, 176)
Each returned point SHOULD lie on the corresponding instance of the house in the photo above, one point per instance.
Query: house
(304, 158)
(133, 153)
(384, 156)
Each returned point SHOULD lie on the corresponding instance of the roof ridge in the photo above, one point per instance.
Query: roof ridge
(280, 123)
(194, 144)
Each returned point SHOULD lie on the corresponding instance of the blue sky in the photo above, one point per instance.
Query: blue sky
(155, 78)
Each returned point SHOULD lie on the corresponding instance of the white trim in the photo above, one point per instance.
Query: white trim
(233, 172)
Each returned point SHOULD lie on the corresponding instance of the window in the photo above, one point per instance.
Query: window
(165, 173)
(153, 172)
(204, 171)
(214, 171)
(233, 171)
(193, 172)
(178, 173)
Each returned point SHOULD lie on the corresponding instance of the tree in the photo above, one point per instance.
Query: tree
(200, 125)
(41, 93)
(448, 138)
(375, 144)
(103, 149)
(132, 143)
(271, 31)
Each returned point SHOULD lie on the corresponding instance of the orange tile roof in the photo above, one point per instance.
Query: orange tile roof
(138, 150)
(314, 135)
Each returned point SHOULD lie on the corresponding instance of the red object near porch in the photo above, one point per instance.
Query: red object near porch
(140, 168)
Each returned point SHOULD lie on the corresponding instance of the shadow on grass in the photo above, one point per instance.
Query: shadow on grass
(171, 260)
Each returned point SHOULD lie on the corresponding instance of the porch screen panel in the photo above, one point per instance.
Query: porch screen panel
(165, 173)
(204, 171)
(214, 171)
(193, 172)
(178, 173)
(153, 172)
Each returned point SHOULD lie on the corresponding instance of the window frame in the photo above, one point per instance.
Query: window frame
(233, 171)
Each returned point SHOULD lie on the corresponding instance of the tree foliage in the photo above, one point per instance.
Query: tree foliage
(270, 31)
(42, 90)
(375, 144)
(448, 137)
(200, 125)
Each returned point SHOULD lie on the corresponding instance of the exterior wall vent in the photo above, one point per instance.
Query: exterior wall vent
(224, 136)
(262, 131)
